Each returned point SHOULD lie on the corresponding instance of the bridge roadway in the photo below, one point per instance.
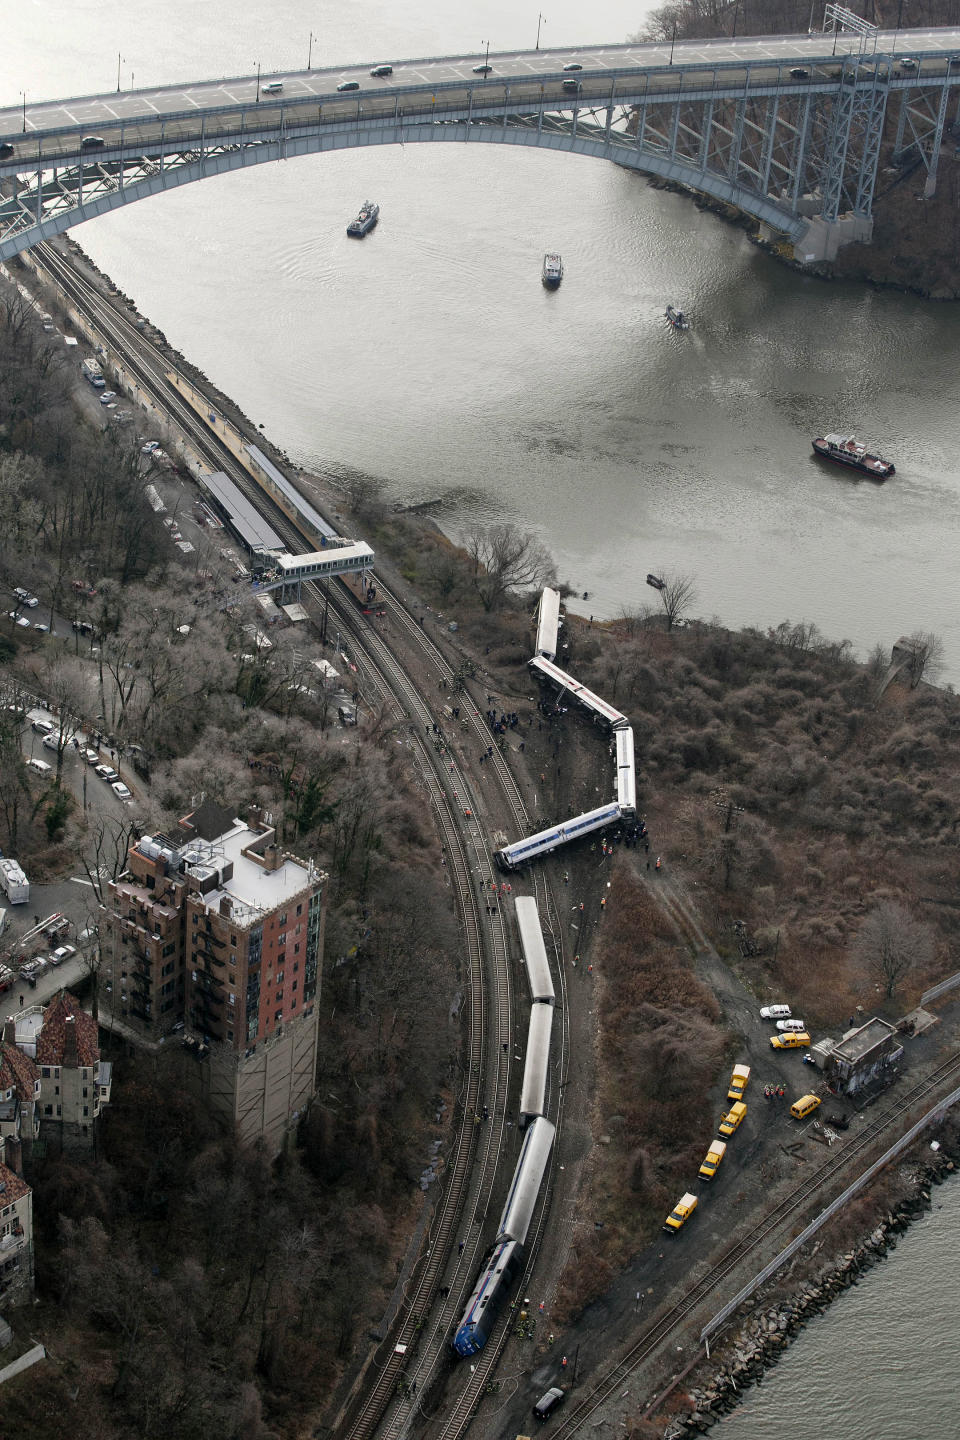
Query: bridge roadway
(742, 125)
(50, 122)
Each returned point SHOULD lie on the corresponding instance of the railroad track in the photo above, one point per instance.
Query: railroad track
(941, 1081)
(473, 1166)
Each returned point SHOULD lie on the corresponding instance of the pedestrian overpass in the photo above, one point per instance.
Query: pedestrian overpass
(786, 129)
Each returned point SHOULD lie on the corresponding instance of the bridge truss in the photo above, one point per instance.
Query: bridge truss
(786, 148)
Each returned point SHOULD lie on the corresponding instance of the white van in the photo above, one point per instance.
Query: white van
(39, 767)
(51, 742)
(272, 87)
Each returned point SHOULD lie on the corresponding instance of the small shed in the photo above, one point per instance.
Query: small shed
(864, 1057)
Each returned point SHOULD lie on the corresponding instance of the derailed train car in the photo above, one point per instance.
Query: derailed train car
(506, 1258)
(534, 950)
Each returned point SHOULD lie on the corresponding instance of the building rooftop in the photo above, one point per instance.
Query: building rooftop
(23, 1073)
(858, 1043)
(52, 1040)
(254, 888)
(12, 1187)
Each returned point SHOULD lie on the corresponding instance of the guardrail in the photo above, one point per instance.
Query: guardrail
(935, 990)
(935, 1114)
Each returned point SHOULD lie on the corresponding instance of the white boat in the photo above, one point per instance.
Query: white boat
(552, 272)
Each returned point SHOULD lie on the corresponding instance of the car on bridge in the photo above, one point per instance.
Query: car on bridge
(573, 65)
(907, 62)
(6, 150)
(349, 85)
(380, 72)
(273, 87)
(92, 142)
(799, 73)
(483, 69)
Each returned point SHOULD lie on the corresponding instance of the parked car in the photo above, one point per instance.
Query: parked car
(733, 1119)
(62, 952)
(92, 757)
(547, 1403)
(790, 1025)
(149, 448)
(41, 727)
(794, 1040)
(711, 1164)
(18, 619)
(107, 772)
(107, 396)
(775, 1012)
(120, 790)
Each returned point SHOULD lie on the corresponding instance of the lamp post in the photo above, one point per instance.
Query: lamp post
(539, 23)
(119, 63)
(24, 94)
(486, 58)
(310, 50)
(736, 8)
(673, 41)
(258, 82)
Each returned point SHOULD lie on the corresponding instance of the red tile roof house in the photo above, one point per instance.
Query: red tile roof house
(74, 1081)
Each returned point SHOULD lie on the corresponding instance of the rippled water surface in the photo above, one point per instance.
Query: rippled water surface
(430, 355)
(880, 1364)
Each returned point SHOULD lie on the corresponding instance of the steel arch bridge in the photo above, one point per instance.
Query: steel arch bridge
(784, 129)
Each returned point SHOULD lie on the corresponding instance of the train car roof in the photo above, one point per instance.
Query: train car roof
(249, 526)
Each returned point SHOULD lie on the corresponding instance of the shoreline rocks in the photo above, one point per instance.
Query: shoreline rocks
(765, 1335)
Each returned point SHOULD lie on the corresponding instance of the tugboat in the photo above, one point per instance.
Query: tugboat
(552, 272)
(846, 450)
(677, 318)
(365, 221)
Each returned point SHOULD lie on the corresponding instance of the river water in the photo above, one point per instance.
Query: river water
(880, 1364)
(430, 356)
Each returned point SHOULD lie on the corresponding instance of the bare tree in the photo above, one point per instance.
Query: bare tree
(927, 658)
(678, 592)
(506, 558)
(891, 944)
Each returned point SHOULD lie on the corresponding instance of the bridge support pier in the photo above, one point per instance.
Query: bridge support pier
(823, 239)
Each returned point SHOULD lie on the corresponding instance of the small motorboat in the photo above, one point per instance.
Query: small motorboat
(552, 272)
(677, 318)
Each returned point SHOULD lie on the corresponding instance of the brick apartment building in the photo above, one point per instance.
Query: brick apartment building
(216, 936)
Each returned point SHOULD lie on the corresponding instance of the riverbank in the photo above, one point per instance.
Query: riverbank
(778, 1316)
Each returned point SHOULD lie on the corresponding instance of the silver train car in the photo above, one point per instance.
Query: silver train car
(511, 857)
(599, 710)
(548, 624)
(626, 772)
(527, 1179)
(534, 950)
(533, 1093)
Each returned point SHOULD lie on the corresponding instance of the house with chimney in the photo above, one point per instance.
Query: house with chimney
(16, 1228)
(62, 1041)
(19, 1090)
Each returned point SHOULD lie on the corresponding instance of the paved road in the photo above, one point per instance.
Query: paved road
(599, 64)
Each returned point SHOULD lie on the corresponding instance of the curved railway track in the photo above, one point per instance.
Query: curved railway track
(666, 1323)
(471, 1172)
